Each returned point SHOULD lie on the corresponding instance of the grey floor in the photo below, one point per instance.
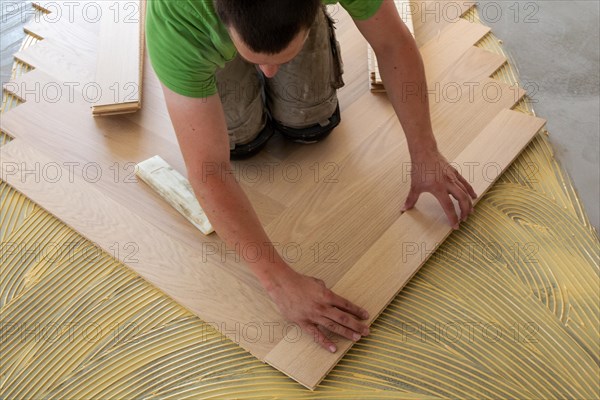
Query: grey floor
(554, 44)
(13, 15)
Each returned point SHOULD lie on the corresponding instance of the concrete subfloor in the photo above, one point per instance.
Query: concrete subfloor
(554, 44)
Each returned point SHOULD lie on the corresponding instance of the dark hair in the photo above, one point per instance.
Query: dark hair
(267, 26)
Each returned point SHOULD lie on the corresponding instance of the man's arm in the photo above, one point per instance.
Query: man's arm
(400, 63)
(202, 135)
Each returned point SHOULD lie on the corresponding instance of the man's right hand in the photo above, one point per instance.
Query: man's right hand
(202, 135)
(307, 302)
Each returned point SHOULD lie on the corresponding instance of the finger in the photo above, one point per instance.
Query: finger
(448, 207)
(464, 215)
(348, 321)
(464, 201)
(341, 330)
(467, 186)
(319, 337)
(411, 200)
(455, 178)
(458, 183)
(319, 281)
(348, 306)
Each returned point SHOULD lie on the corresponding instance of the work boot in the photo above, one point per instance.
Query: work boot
(241, 151)
(310, 134)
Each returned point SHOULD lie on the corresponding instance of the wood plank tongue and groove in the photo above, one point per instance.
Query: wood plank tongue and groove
(365, 161)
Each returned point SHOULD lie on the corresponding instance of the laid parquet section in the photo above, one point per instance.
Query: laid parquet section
(105, 139)
(430, 17)
(96, 48)
(497, 145)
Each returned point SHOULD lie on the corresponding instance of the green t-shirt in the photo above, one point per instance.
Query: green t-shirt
(187, 42)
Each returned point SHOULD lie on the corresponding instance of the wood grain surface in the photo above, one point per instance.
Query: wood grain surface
(331, 208)
(397, 255)
(120, 56)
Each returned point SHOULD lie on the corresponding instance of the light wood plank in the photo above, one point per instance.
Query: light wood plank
(120, 56)
(328, 179)
(372, 178)
(154, 115)
(36, 86)
(425, 227)
(64, 63)
(237, 307)
(405, 12)
(425, 20)
(70, 25)
(430, 17)
(112, 31)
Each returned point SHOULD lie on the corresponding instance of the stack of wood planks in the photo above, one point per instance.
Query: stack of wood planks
(95, 49)
(120, 57)
(405, 10)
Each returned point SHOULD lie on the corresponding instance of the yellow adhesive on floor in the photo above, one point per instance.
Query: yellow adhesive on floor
(507, 307)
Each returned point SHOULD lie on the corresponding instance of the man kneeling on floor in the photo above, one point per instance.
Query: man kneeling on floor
(225, 67)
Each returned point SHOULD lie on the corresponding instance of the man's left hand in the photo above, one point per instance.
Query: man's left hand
(432, 173)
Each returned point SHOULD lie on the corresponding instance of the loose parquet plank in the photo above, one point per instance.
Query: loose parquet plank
(102, 53)
(405, 11)
(37, 86)
(120, 56)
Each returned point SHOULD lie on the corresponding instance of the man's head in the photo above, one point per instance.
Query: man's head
(268, 32)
